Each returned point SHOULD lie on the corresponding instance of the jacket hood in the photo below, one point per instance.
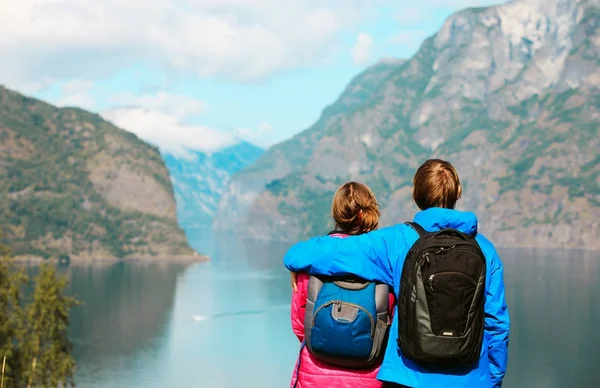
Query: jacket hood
(436, 218)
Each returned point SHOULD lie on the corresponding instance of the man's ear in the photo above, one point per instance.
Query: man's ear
(412, 194)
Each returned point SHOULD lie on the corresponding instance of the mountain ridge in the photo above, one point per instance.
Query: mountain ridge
(508, 93)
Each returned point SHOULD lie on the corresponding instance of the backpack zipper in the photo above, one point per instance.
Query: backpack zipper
(425, 256)
(442, 249)
(431, 281)
(432, 276)
(339, 304)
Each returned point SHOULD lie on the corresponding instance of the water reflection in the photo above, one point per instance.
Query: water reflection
(126, 309)
(553, 298)
(125, 304)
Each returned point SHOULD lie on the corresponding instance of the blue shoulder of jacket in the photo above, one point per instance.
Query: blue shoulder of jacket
(372, 255)
(489, 251)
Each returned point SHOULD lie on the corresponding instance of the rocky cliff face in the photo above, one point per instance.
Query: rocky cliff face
(199, 180)
(72, 183)
(509, 94)
(291, 156)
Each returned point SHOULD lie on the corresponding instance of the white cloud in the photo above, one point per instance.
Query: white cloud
(167, 132)
(77, 86)
(159, 118)
(237, 39)
(83, 101)
(361, 52)
(262, 135)
(77, 93)
(177, 105)
(234, 39)
(34, 85)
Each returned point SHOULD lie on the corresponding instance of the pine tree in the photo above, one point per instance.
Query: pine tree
(11, 282)
(35, 349)
(46, 345)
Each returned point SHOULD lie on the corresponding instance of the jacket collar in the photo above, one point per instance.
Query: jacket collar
(436, 218)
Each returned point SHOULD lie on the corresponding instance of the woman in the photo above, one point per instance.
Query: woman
(355, 211)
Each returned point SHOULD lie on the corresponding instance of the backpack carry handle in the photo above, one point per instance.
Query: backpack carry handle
(447, 231)
(452, 232)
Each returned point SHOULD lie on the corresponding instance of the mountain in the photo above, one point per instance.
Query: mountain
(72, 183)
(199, 180)
(509, 94)
(290, 156)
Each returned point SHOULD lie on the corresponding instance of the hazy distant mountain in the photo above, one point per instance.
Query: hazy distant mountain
(73, 183)
(199, 181)
(509, 94)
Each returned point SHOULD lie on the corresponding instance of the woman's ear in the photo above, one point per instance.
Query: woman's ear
(459, 191)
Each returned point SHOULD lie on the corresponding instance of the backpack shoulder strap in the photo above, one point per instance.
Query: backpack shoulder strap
(314, 287)
(420, 230)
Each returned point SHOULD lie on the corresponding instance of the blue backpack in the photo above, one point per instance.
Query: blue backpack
(347, 321)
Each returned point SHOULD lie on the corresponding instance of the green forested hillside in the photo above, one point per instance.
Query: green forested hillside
(72, 183)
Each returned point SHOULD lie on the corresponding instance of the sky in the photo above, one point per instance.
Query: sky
(203, 74)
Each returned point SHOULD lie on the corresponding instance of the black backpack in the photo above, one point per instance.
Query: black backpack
(442, 298)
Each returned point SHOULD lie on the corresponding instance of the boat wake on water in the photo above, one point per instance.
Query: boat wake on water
(199, 318)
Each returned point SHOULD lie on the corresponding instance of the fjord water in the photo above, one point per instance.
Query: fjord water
(226, 323)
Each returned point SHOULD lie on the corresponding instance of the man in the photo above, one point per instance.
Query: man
(380, 256)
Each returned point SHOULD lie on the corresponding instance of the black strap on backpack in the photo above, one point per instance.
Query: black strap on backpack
(441, 299)
(418, 228)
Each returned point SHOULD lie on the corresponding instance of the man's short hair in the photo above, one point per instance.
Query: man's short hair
(436, 184)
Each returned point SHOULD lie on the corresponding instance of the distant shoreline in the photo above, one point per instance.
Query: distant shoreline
(112, 260)
(590, 249)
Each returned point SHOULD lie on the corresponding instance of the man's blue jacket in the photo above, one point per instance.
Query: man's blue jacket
(379, 256)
